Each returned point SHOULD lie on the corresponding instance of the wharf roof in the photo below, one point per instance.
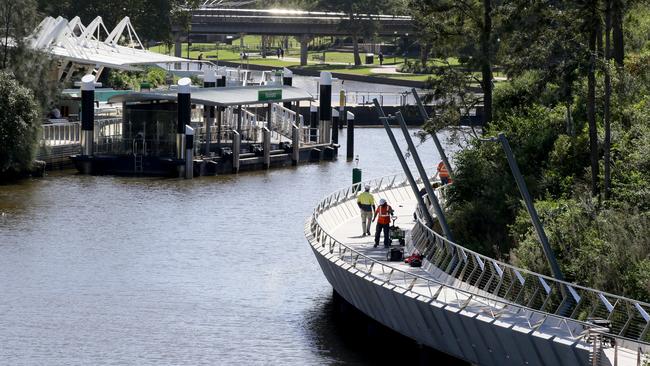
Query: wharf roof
(74, 42)
(221, 97)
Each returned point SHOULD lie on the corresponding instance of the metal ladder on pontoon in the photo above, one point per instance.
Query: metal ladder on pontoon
(139, 149)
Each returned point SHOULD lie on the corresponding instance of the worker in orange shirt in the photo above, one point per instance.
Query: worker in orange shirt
(443, 173)
(382, 215)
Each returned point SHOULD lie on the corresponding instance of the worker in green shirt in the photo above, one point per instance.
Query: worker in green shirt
(366, 203)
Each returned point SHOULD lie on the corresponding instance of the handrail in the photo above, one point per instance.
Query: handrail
(61, 133)
(629, 318)
(477, 273)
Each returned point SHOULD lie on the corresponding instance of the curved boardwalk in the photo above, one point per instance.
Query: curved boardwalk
(464, 304)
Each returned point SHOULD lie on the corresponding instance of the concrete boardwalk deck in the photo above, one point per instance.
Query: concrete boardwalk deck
(349, 232)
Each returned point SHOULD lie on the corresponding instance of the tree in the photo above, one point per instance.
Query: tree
(355, 24)
(30, 68)
(153, 19)
(466, 31)
(19, 126)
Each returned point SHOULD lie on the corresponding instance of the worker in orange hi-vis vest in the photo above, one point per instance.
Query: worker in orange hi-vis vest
(383, 214)
(443, 174)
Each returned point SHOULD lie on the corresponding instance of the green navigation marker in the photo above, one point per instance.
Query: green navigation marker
(269, 95)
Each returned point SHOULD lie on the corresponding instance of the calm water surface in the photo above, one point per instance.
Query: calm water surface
(116, 270)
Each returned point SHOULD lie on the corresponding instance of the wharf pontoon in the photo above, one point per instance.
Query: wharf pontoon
(234, 129)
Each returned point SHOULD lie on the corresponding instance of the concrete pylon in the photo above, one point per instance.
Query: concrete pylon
(304, 42)
(184, 115)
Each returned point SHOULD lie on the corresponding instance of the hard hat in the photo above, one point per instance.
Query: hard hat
(367, 187)
(382, 201)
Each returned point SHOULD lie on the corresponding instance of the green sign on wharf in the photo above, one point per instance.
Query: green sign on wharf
(268, 95)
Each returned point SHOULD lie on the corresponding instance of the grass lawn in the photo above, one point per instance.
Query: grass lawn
(340, 62)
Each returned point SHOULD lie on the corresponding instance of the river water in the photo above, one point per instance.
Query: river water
(216, 270)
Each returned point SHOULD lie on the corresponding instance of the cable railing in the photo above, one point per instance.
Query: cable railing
(626, 318)
(503, 288)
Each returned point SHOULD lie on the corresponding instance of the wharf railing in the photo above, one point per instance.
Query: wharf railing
(471, 277)
(359, 97)
(250, 127)
(61, 133)
(282, 120)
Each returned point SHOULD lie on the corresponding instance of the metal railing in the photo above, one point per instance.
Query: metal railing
(503, 288)
(282, 120)
(358, 97)
(608, 350)
(61, 133)
(628, 318)
(250, 127)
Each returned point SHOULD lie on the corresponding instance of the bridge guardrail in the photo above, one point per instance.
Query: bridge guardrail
(475, 276)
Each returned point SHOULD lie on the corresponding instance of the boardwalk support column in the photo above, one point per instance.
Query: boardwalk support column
(313, 123)
(87, 120)
(335, 126)
(425, 116)
(209, 81)
(236, 150)
(325, 102)
(266, 138)
(295, 144)
(184, 115)
(189, 152)
(537, 224)
(87, 114)
(221, 82)
(423, 175)
(349, 117)
(405, 167)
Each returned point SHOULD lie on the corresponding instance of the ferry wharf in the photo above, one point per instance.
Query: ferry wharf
(188, 131)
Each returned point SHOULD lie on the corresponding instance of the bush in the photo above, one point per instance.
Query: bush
(416, 67)
(607, 248)
(118, 79)
(484, 198)
(19, 126)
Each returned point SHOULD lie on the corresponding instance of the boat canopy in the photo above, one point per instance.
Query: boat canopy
(223, 97)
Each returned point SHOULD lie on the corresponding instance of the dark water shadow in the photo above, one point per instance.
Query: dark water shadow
(346, 336)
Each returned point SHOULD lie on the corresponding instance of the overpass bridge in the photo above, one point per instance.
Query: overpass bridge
(303, 25)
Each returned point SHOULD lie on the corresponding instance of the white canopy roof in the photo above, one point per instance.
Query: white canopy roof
(94, 45)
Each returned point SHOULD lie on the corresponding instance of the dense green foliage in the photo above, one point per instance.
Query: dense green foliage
(19, 126)
(31, 68)
(153, 19)
(599, 242)
(117, 79)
